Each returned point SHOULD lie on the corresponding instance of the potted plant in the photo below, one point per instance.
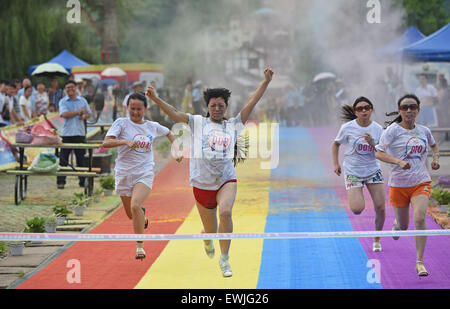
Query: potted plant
(16, 248)
(97, 194)
(442, 198)
(50, 224)
(107, 183)
(61, 212)
(80, 201)
(35, 225)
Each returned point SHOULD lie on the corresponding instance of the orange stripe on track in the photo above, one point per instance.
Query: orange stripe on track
(110, 265)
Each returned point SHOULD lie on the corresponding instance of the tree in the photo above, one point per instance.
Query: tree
(428, 16)
(107, 18)
(34, 31)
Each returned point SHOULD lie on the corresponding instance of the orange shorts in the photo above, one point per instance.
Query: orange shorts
(401, 197)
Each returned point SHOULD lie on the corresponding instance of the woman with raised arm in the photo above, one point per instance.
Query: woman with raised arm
(212, 172)
(404, 144)
(134, 165)
(361, 168)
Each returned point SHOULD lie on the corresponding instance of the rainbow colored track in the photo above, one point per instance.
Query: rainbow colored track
(300, 195)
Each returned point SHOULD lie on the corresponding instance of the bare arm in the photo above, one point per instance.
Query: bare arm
(435, 163)
(178, 155)
(382, 156)
(335, 154)
(254, 99)
(112, 142)
(167, 108)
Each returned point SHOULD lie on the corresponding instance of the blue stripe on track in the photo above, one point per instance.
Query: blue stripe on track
(301, 200)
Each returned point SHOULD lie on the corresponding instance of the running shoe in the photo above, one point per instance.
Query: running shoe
(146, 220)
(225, 267)
(420, 269)
(376, 246)
(209, 249)
(395, 228)
(140, 254)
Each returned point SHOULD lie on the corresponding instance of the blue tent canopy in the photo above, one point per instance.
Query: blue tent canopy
(394, 49)
(435, 47)
(66, 59)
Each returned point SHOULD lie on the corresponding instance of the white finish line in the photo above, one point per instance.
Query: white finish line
(166, 237)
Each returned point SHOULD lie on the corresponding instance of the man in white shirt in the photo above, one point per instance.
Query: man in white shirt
(428, 96)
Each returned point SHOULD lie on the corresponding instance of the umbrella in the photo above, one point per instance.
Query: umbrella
(113, 72)
(109, 82)
(50, 69)
(324, 76)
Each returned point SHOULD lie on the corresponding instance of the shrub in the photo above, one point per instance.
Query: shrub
(35, 225)
(107, 183)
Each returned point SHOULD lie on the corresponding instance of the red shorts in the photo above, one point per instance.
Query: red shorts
(207, 198)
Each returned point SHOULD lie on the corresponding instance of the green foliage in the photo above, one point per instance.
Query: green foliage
(61, 211)
(80, 199)
(2, 249)
(33, 32)
(442, 197)
(428, 16)
(35, 225)
(107, 183)
(51, 219)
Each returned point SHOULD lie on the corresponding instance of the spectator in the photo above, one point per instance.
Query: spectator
(54, 93)
(41, 103)
(75, 110)
(197, 97)
(81, 91)
(25, 104)
(186, 103)
(444, 103)
(428, 96)
(13, 104)
(25, 83)
(3, 122)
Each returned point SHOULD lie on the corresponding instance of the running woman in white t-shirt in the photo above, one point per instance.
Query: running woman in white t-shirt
(212, 172)
(134, 165)
(404, 144)
(361, 168)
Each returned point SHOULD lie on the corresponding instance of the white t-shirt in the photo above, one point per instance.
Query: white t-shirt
(137, 161)
(2, 104)
(407, 145)
(27, 103)
(359, 157)
(425, 94)
(212, 151)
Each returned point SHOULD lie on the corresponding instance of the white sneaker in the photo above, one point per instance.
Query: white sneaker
(376, 246)
(225, 267)
(209, 249)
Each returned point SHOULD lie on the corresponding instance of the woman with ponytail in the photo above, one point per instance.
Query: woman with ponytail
(404, 144)
(212, 173)
(361, 167)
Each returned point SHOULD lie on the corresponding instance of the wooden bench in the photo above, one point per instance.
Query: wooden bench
(21, 182)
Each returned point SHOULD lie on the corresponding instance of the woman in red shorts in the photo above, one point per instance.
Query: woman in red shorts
(212, 173)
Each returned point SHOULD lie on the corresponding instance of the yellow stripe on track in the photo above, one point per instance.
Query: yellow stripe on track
(184, 265)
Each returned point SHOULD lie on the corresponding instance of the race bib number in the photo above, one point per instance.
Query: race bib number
(144, 143)
(362, 147)
(415, 148)
(219, 141)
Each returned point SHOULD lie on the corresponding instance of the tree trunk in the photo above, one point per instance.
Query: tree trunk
(110, 38)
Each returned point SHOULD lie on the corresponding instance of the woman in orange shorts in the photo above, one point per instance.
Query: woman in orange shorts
(404, 144)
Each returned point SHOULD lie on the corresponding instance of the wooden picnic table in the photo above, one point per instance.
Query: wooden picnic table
(102, 126)
(22, 173)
